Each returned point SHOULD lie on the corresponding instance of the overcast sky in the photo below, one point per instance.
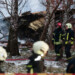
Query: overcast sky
(31, 5)
(36, 5)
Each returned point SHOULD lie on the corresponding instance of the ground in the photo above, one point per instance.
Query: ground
(19, 66)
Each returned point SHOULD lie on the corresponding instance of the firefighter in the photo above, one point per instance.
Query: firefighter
(71, 66)
(36, 64)
(3, 56)
(69, 40)
(57, 41)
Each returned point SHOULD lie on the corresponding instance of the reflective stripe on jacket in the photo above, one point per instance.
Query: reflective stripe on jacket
(58, 35)
(69, 37)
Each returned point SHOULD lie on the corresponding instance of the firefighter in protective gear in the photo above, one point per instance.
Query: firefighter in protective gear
(58, 35)
(71, 66)
(69, 40)
(3, 56)
(36, 65)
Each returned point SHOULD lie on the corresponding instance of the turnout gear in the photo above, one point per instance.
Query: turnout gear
(71, 66)
(58, 35)
(36, 64)
(69, 37)
(59, 52)
(69, 40)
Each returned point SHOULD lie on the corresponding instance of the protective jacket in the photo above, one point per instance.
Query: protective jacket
(71, 66)
(58, 35)
(69, 37)
(34, 66)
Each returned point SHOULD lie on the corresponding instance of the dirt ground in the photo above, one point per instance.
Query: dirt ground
(19, 66)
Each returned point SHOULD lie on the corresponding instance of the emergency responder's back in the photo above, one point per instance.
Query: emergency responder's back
(71, 66)
(58, 34)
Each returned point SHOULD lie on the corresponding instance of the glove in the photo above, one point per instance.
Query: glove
(38, 58)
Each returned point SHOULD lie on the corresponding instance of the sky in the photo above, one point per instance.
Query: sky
(36, 6)
(31, 5)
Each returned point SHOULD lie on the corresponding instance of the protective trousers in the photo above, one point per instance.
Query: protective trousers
(59, 51)
(0, 68)
(67, 51)
(35, 67)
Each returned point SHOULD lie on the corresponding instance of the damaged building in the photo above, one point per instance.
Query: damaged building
(30, 25)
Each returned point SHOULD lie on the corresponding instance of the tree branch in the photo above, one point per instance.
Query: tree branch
(43, 36)
(7, 7)
(23, 6)
(2, 14)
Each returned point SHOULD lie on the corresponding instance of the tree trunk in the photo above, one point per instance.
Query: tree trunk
(43, 36)
(48, 19)
(12, 41)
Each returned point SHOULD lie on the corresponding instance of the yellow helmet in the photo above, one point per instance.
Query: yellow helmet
(69, 25)
(3, 54)
(40, 47)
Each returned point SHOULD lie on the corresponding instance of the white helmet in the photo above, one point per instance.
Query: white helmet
(40, 45)
(69, 25)
(3, 54)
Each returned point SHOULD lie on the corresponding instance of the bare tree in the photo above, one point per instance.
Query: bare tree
(12, 8)
(7, 5)
(12, 41)
(49, 16)
(67, 16)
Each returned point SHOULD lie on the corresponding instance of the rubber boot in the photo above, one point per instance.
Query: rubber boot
(57, 58)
